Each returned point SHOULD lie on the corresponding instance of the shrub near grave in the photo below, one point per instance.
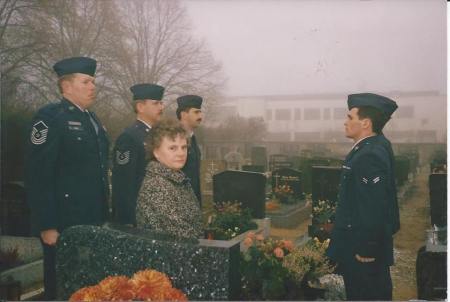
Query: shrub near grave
(228, 221)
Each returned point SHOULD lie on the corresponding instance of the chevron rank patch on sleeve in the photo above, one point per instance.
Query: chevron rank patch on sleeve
(122, 158)
(39, 133)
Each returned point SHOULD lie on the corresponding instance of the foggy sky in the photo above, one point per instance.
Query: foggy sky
(296, 47)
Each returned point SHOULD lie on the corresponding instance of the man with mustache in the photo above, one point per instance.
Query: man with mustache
(189, 112)
(66, 162)
(129, 152)
(367, 214)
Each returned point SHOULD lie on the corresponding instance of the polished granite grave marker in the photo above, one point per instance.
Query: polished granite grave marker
(247, 188)
(202, 269)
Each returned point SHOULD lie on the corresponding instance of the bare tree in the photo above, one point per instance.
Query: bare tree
(158, 47)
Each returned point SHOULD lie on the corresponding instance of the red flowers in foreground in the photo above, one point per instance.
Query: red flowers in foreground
(146, 285)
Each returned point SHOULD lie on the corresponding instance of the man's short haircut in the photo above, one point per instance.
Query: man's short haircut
(135, 103)
(378, 118)
(185, 109)
(61, 79)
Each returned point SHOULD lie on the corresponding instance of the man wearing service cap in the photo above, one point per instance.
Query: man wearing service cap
(367, 213)
(66, 162)
(129, 151)
(189, 112)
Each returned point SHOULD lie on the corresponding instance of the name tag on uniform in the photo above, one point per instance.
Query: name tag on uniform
(74, 125)
(346, 167)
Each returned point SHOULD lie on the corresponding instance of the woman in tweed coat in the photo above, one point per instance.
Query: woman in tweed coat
(166, 202)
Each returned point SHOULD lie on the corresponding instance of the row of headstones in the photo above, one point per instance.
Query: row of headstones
(431, 263)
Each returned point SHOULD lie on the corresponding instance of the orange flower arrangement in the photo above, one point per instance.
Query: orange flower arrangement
(146, 285)
(272, 205)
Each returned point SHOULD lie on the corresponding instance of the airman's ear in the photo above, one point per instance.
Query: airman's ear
(366, 123)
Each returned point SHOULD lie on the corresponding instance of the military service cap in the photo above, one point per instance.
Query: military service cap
(75, 65)
(382, 103)
(189, 101)
(147, 92)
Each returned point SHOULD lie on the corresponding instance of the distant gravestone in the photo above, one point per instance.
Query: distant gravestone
(259, 156)
(253, 168)
(247, 188)
(438, 199)
(278, 161)
(208, 168)
(402, 169)
(14, 211)
(325, 183)
(203, 269)
(290, 177)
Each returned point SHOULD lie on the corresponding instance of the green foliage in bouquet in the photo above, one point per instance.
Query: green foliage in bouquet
(228, 221)
(309, 262)
(323, 211)
(263, 275)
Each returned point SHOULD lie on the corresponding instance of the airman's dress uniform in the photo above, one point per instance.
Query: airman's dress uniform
(367, 214)
(66, 167)
(192, 166)
(130, 159)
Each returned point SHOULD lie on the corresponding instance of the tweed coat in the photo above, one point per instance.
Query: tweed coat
(167, 203)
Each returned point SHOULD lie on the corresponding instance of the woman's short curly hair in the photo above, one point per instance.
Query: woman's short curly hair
(167, 127)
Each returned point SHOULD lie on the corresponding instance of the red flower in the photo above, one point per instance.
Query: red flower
(278, 252)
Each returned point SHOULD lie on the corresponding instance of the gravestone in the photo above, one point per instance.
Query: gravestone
(202, 269)
(209, 167)
(431, 275)
(438, 162)
(278, 161)
(325, 186)
(14, 211)
(305, 166)
(290, 177)
(259, 156)
(248, 188)
(254, 168)
(438, 199)
(402, 169)
(325, 183)
(234, 160)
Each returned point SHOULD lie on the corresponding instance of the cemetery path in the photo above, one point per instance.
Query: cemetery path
(415, 220)
(290, 234)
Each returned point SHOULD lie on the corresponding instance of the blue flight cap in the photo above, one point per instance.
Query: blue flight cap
(75, 65)
(382, 103)
(147, 92)
(189, 101)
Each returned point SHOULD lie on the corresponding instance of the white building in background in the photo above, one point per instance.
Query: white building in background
(421, 116)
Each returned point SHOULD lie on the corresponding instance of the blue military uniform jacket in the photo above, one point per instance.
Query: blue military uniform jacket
(66, 168)
(367, 214)
(192, 167)
(128, 171)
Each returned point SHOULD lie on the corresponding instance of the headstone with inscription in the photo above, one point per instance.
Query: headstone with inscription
(278, 161)
(289, 177)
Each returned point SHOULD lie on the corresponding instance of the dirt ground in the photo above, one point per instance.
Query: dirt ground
(414, 219)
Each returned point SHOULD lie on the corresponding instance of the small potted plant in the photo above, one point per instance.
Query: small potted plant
(323, 214)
